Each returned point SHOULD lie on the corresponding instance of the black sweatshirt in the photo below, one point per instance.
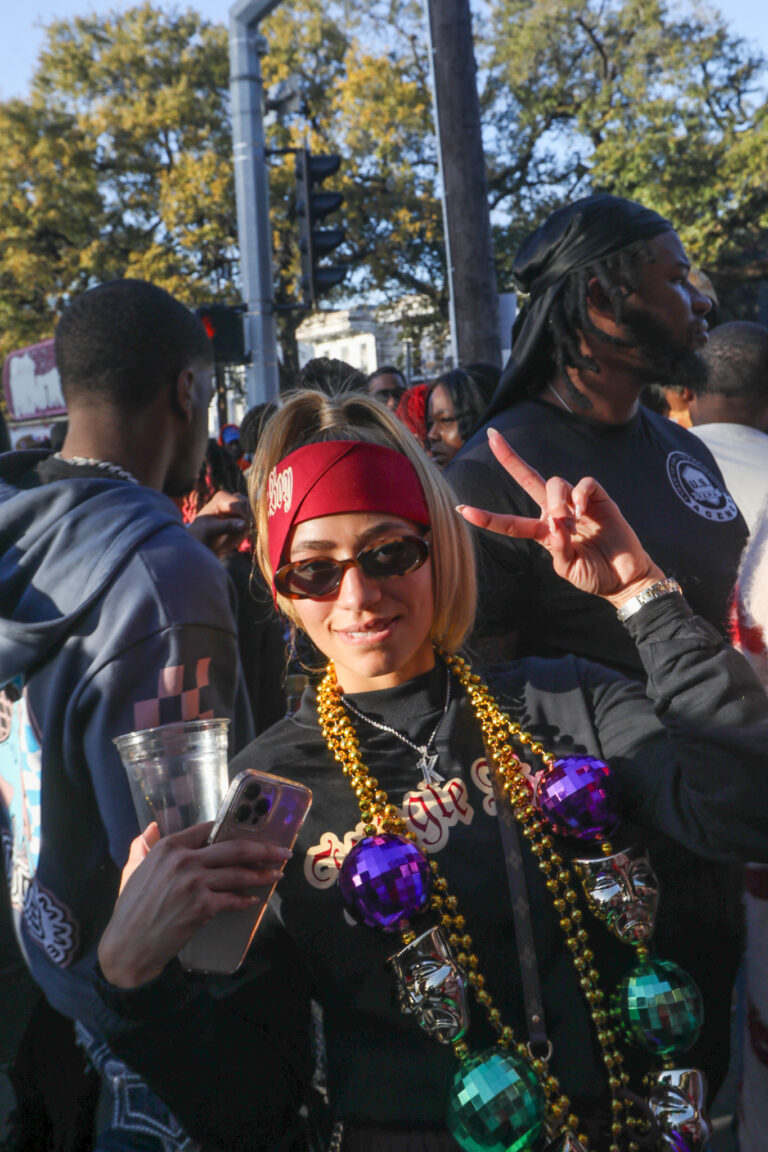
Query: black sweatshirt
(690, 756)
(666, 483)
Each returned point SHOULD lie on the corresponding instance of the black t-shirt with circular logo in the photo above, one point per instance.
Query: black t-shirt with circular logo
(667, 485)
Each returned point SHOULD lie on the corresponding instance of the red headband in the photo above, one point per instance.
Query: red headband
(340, 476)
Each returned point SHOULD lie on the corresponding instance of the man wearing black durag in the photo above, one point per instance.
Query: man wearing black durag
(606, 306)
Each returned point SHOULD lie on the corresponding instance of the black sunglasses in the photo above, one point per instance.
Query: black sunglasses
(311, 579)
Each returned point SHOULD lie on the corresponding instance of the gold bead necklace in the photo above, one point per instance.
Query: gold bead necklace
(378, 814)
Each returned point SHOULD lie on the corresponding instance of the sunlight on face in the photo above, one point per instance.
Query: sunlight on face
(375, 631)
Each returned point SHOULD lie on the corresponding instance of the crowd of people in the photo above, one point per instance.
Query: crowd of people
(534, 723)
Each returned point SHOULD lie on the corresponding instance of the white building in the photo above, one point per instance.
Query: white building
(366, 338)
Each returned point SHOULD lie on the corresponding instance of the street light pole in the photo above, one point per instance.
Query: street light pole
(246, 46)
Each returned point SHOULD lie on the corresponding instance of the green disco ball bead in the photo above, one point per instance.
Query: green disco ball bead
(659, 1008)
(496, 1104)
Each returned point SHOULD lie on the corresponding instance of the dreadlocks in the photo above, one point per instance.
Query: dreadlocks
(618, 276)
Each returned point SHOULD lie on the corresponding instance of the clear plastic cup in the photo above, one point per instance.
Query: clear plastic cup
(177, 773)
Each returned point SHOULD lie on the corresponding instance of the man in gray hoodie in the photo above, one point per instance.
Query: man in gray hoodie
(112, 618)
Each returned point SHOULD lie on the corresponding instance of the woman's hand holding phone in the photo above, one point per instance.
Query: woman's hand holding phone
(171, 886)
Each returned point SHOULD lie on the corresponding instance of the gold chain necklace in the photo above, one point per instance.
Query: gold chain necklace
(378, 814)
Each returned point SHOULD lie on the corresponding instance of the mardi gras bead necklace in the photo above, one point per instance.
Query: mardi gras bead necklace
(427, 756)
(526, 1093)
(379, 816)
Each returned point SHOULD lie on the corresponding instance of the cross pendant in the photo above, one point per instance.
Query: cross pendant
(426, 766)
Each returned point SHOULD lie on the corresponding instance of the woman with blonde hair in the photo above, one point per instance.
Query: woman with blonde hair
(463, 962)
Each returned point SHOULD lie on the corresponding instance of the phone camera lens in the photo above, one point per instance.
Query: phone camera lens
(262, 806)
(252, 790)
(242, 812)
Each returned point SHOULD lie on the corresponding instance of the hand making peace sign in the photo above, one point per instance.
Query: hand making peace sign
(591, 544)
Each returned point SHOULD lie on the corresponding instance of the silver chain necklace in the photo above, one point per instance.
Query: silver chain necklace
(105, 465)
(564, 403)
(427, 759)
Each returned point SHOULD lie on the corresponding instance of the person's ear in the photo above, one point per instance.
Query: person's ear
(184, 394)
(599, 300)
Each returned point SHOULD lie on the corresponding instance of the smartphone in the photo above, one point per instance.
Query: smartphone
(257, 806)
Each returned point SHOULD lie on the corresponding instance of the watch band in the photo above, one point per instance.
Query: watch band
(661, 588)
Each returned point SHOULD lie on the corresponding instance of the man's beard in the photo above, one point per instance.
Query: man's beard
(665, 360)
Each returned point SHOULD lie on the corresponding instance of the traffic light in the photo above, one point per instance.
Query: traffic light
(223, 324)
(312, 206)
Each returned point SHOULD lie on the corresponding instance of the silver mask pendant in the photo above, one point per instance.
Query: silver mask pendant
(676, 1099)
(622, 890)
(432, 987)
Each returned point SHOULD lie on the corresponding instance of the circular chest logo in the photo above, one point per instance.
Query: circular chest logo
(698, 488)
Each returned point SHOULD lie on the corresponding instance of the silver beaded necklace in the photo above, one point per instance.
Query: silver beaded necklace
(88, 462)
(427, 759)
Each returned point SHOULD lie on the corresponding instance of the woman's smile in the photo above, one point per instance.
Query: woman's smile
(376, 631)
(371, 632)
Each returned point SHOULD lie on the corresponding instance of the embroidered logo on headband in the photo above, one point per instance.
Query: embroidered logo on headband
(336, 476)
(280, 491)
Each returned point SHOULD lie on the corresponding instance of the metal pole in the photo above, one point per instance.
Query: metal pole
(443, 193)
(252, 196)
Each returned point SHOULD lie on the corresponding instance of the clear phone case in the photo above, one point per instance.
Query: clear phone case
(257, 806)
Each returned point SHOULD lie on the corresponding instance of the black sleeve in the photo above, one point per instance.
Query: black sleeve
(691, 749)
(231, 1059)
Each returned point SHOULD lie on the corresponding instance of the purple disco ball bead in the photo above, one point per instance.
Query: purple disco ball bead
(578, 796)
(385, 880)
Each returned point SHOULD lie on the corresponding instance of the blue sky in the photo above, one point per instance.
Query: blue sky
(23, 35)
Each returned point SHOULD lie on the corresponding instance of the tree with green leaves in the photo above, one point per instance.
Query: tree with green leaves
(120, 161)
(124, 155)
(50, 217)
(122, 164)
(365, 83)
(636, 98)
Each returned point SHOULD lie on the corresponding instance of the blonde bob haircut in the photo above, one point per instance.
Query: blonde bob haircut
(309, 417)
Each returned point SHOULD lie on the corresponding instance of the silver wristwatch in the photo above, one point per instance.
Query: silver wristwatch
(653, 592)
